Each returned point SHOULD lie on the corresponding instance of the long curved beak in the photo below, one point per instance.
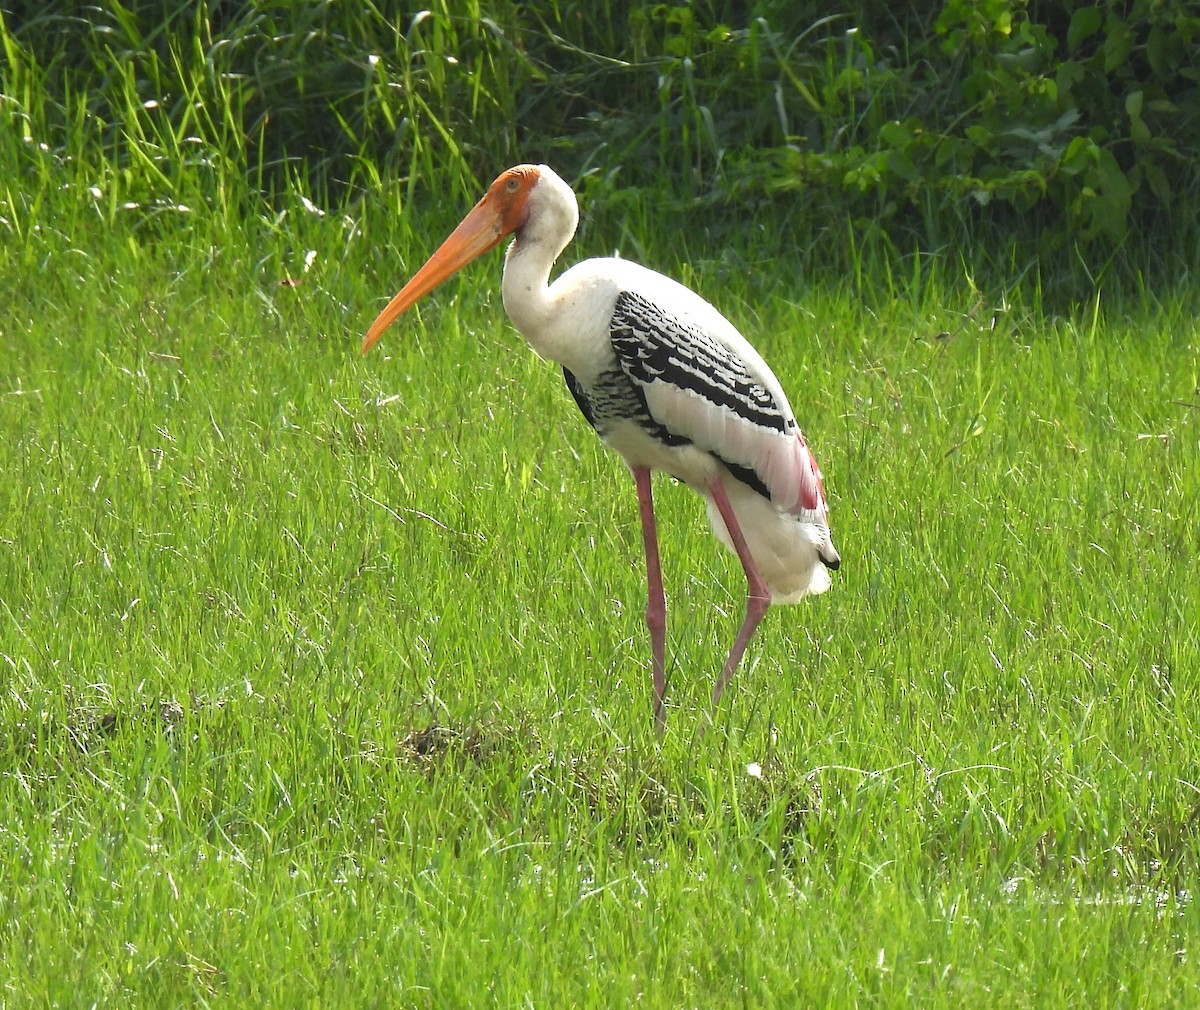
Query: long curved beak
(479, 231)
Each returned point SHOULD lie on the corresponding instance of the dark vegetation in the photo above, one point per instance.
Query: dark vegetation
(1059, 141)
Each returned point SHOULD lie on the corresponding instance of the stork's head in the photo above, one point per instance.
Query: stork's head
(528, 201)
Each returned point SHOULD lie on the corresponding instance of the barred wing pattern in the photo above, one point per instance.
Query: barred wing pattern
(699, 390)
(612, 398)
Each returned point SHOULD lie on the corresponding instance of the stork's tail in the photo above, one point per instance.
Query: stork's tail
(794, 553)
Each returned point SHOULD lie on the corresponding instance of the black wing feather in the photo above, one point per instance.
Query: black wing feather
(653, 346)
(581, 397)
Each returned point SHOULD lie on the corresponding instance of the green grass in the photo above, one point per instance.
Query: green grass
(325, 680)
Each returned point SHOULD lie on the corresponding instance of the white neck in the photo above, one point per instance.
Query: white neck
(549, 225)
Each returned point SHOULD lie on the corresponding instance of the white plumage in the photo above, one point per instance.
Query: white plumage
(667, 381)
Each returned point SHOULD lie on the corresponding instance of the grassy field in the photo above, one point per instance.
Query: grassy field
(325, 681)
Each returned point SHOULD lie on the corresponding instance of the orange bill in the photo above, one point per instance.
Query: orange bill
(499, 214)
(481, 230)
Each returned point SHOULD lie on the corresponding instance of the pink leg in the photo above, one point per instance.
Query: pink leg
(759, 598)
(656, 603)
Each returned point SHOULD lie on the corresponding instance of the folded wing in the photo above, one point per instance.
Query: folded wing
(699, 387)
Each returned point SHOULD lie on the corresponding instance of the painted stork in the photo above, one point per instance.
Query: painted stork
(667, 382)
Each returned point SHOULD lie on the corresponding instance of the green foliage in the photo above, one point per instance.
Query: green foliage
(921, 127)
(1093, 122)
(1086, 106)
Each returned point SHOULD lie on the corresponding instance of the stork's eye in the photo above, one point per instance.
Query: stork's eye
(513, 184)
